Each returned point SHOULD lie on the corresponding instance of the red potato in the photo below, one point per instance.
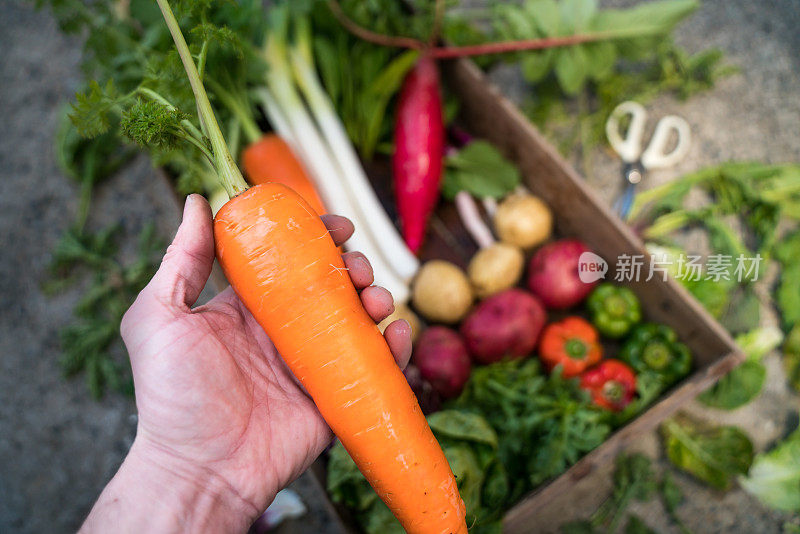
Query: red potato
(505, 325)
(553, 274)
(442, 359)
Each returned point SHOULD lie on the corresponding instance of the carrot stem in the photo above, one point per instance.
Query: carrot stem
(229, 175)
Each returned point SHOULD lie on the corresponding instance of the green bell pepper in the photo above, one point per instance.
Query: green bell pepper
(654, 348)
(614, 309)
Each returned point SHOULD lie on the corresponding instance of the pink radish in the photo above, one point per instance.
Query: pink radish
(419, 150)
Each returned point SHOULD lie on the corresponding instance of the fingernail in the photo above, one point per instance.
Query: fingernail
(364, 259)
(407, 325)
(190, 201)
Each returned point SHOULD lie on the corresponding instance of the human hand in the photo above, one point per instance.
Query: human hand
(219, 412)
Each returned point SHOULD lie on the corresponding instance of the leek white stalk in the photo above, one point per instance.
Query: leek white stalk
(278, 120)
(317, 157)
(384, 233)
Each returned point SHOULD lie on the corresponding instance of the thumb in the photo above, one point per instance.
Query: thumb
(187, 263)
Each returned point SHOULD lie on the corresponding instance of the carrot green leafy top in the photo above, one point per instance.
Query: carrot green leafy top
(226, 168)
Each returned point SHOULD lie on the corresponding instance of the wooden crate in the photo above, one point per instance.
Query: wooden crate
(579, 213)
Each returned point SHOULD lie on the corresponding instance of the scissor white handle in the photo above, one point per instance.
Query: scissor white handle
(655, 156)
(630, 147)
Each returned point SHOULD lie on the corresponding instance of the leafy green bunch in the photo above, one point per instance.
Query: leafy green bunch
(634, 481)
(136, 90)
(614, 33)
(717, 455)
(752, 211)
(633, 58)
(722, 455)
(547, 422)
(91, 342)
(411, 18)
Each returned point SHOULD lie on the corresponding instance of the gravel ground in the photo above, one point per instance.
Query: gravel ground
(58, 447)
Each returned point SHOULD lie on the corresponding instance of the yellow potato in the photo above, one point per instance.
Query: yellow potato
(523, 221)
(441, 292)
(495, 268)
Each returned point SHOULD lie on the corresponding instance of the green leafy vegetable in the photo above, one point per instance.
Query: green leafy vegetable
(90, 113)
(149, 123)
(787, 296)
(774, 477)
(737, 388)
(462, 426)
(715, 296)
(89, 344)
(361, 80)
(481, 170)
(744, 383)
(637, 526)
(791, 357)
(546, 423)
(671, 497)
(87, 161)
(713, 454)
(760, 199)
(135, 89)
(743, 311)
(613, 33)
(634, 480)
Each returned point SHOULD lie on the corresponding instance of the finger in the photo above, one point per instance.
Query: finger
(398, 337)
(378, 302)
(359, 268)
(187, 263)
(339, 227)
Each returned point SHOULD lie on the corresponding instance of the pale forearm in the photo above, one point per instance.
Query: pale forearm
(151, 495)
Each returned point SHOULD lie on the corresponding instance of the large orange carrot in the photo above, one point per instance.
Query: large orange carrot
(281, 261)
(283, 264)
(271, 160)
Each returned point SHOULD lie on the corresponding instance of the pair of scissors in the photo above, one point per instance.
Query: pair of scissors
(636, 161)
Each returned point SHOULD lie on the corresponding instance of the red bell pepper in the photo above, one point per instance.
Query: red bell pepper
(612, 384)
(572, 343)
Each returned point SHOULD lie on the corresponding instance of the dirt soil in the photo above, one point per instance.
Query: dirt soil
(58, 447)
